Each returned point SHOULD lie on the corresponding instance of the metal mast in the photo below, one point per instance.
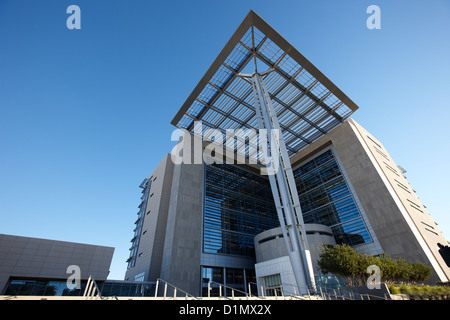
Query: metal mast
(283, 186)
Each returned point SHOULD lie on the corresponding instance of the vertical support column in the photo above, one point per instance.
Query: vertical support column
(283, 188)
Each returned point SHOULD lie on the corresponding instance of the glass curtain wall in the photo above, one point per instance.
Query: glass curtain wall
(238, 206)
(326, 199)
(42, 287)
(215, 277)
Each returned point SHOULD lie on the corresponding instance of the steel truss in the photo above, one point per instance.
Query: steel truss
(283, 187)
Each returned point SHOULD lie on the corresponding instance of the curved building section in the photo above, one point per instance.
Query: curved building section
(273, 269)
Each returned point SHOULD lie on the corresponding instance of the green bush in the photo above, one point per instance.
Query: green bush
(421, 292)
(351, 266)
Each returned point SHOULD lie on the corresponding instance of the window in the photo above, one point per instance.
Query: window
(373, 140)
(137, 232)
(414, 205)
(325, 198)
(218, 277)
(401, 185)
(427, 225)
(59, 287)
(382, 154)
(273, 285)
(237, 206)
(390, 168)
(212, 276)
(235, 279)
(139, 277)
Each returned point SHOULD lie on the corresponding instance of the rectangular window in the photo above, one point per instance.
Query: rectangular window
(139, 277)
(212, 278)
(401, 185)
(413, 203)
(416, 208)
(273, 285)
(431, 231)
(235, 279)
(373, 140)
(382, 153)
(427, 225)
(391, 169)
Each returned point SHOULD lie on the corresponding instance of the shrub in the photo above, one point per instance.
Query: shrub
(421, 292)
(351, 266)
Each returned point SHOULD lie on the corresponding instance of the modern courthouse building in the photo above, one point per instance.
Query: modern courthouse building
(228, 223)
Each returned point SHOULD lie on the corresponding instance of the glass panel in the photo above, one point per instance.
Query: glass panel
(39, 288)
(215, 275)
(115, 289)
(326, 199)
(27, 288)
(238, 205)
(235, 279)
(53, 289)
(273, 285)
(14, 287)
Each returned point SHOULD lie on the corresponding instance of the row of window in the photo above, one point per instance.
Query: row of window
(30, 287)
(139, 223)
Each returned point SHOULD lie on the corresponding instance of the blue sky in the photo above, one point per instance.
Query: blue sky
(85, 114)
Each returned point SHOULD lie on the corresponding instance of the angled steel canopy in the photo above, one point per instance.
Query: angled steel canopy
(306, 102)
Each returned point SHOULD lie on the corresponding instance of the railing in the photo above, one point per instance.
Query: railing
(280, 291)
(176, 290)
(321, 292)
(233, 291)
(169, 291)
(91, 290)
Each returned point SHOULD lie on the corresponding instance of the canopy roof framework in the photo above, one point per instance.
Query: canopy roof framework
(307, 104)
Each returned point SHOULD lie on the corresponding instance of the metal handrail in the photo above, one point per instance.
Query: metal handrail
(284, 293)
(352, 293)
(246, 294)
(91, 289)
(317, 292)
(186, 294)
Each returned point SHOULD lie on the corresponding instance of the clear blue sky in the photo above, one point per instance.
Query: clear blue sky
(85, 114)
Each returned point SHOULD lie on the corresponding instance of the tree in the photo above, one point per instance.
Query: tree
(351, 267)
(344, 262)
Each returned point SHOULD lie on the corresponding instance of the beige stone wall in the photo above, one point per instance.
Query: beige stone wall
(427, 231)
(399, 220)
